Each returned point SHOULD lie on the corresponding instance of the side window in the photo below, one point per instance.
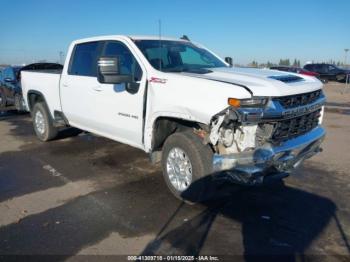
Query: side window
(319, 69)
(324, 69)
(8, 73)
(128, 63)
(12, 73)
(309, 67)
(5, 73)
(331, 68)
(84, 59)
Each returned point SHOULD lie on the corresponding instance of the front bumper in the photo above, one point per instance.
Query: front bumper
(268, 162)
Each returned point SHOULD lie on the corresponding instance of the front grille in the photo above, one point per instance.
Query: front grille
(299, 100)
(290, 128)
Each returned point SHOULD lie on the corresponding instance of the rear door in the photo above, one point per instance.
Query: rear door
(79, 86)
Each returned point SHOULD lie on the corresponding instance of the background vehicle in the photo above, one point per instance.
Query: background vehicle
(297, 70)
(10, 88)
(328, 71)
(184, 106)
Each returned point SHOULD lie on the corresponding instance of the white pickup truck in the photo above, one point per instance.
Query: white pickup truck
(183, 105)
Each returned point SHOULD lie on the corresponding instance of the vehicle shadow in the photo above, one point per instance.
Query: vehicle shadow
(276, 220)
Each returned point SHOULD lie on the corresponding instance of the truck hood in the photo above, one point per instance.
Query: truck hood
(262, 82)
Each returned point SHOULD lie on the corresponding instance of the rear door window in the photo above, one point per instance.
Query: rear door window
(84, 59)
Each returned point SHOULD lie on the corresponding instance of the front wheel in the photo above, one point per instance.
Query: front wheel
(186, 162)
(42, 122)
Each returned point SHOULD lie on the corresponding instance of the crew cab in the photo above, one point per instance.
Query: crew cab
(182, 104)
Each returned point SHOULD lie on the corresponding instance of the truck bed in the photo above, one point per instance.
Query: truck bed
(49, 71)
(45, 82)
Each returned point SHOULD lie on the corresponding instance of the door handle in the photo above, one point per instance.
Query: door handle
(64, 84)
(97, 88)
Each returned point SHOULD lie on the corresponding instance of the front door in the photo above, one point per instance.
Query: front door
(120, 114)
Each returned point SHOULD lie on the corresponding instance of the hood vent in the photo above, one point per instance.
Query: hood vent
(287, 78)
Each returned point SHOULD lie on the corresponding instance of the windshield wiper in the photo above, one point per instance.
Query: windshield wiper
(189, 70)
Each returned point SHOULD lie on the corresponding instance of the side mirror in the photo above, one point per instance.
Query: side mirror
(9, 80)
(108, 71)
(229, 60)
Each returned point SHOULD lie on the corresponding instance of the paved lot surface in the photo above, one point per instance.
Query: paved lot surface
(83, 194)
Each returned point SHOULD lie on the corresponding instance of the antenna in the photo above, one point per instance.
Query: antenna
(160, 43)
(185, 37)
(61, 56)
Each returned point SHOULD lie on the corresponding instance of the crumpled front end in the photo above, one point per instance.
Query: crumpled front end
(253, 145)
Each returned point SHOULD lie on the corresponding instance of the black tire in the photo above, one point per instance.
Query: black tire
(340, 77)
(200, 157)
(49, 132)
(2, 99)
(19, 103)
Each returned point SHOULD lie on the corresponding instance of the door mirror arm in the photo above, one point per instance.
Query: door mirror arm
(229, 60)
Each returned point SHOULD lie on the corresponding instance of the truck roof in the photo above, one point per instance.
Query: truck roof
(133, 37)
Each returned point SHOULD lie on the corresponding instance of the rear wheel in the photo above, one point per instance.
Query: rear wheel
(19, 103)
(42, 122)
(340, 77)
(185, 162)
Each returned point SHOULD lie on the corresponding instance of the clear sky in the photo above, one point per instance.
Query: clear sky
(247, 30)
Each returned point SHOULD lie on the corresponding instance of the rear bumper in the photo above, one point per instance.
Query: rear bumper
(268, 162)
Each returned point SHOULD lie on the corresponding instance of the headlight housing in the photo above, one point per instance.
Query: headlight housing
(250, 102)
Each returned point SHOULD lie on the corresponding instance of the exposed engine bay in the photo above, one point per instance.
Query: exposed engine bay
(240, 130)
(229, 136)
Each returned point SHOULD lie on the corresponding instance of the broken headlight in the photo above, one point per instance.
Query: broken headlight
(250, 102)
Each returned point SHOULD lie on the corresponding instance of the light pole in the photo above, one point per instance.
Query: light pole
(346, 55)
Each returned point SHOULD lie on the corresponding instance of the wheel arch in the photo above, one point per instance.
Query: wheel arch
(33, 97)
(164, 126)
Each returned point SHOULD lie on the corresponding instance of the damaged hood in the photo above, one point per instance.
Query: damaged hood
(262, 82)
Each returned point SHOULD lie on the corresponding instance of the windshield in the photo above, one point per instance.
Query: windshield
(178, 56)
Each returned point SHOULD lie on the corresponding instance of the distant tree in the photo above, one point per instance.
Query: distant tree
(254, 64)
(295, 63)
(269, 64)
(284, 62)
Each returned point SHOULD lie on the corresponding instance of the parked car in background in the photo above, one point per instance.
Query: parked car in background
(10, 85)
(0, 76)
(328, 71)
(9, 88)
(297, 70)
